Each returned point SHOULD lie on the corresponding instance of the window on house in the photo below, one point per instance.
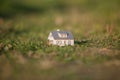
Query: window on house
(69, 42)
(63, 35)
(65, 42)
(58, 42)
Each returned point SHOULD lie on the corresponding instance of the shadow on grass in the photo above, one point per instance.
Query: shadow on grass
(80, 42)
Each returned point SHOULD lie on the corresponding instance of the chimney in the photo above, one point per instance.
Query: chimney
(58, 29)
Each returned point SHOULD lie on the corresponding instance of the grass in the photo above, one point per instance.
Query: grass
(95, 56)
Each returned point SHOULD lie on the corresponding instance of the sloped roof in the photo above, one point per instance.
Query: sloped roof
(56, 36)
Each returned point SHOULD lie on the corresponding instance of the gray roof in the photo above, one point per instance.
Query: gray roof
(56, 36)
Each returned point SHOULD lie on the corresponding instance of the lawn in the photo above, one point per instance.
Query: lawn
(24, 52)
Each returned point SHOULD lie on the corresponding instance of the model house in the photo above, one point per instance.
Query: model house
(60, 38)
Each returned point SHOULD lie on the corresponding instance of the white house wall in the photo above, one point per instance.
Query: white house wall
(72, 42)
(54, 42)
(63, 42)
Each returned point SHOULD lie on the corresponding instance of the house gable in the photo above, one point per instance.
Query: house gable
(50, 37)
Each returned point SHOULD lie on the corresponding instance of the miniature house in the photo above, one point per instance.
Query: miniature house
(60, 38)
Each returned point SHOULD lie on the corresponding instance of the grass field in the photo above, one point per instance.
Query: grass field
(24, 53)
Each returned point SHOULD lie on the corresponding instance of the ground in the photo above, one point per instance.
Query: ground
(24, 52)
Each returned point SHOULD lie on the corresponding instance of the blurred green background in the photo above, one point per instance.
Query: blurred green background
(24, 28)
(12, 7)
